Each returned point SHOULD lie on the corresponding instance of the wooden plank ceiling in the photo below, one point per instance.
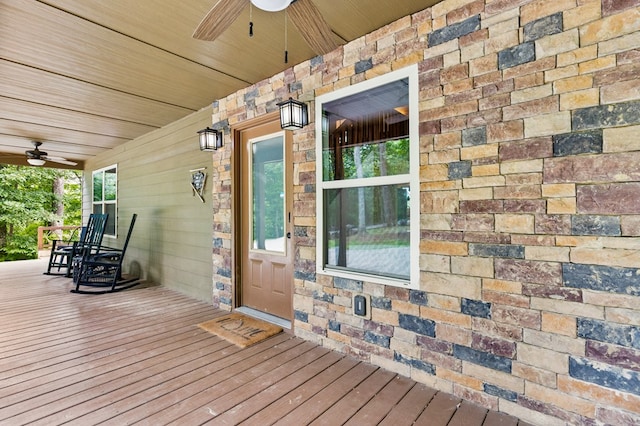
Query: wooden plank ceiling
(83, 76)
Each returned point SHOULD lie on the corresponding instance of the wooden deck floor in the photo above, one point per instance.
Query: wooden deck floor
(137, 357)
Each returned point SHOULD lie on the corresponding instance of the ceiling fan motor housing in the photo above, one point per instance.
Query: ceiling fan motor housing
(271, 5)
(36, 153)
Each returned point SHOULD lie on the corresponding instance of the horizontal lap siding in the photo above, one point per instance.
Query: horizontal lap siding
(171, 241)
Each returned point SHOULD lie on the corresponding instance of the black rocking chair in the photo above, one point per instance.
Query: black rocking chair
(62, 254)
(100, 268)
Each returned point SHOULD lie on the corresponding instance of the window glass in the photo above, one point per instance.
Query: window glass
(110, 209)
(367, 229)
(367, 134)
(98, 179)
(110, 178)
(368, 147)
(105, 188)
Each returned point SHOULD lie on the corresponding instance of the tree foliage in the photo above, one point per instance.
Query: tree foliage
(27, 200)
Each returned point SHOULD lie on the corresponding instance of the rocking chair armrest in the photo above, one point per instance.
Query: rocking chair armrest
(73, 239)
(107, 253)
(104, 251)
(58, 244)
(62, 248)
(102, 254)
(102, 248)
(83, 251)
(101, 261)
(74, 236)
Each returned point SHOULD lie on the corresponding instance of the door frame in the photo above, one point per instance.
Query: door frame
(236, 218)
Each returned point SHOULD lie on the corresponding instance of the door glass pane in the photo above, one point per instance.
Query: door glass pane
(267, 194)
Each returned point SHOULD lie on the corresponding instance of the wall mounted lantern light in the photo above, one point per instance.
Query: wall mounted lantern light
(210, 139)
(293, 114)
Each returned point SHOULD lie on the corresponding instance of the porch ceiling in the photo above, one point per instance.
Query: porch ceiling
(84, 76)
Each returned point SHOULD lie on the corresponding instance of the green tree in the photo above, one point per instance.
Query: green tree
(28, 200)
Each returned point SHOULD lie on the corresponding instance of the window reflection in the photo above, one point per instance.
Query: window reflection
(367, 229)
(367, 134)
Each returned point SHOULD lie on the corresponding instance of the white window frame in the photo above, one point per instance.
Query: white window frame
(412, 178)
(104, 202)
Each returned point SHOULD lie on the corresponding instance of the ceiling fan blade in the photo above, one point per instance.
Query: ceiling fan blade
(219, 18)
(36, 153)
(60, 160)
(312, 26)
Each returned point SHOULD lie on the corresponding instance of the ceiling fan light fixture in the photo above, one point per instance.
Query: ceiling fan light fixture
(271, 5)
(36, 161)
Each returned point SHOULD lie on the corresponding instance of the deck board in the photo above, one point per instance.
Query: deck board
(495, 418)
(312, 409)
(299, 395)
(265, 389)
(352, 402)
(379, 406)
(248, 383)
(86, 394)
(193, 389)
(105, 369)
(105, 352)
(259, 401)
(468, 415)
(440, 410)
(138, 357)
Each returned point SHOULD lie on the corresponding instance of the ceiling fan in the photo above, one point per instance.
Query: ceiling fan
(35, 157)
(303, 13)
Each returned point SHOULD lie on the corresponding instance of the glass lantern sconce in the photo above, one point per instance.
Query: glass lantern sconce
(293, 114)
(210, 139)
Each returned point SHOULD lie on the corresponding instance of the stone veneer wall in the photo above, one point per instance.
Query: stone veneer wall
(529, 299)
